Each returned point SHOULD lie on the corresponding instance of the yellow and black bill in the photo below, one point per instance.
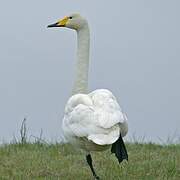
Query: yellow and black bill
(60, 23)
(55, 25)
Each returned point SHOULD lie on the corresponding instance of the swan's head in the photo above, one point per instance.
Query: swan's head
(73, 21)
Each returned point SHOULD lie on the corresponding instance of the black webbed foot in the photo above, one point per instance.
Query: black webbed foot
(119, 149)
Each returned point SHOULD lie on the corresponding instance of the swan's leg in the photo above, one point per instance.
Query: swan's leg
(89, 161)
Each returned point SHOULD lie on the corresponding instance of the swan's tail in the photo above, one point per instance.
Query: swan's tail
(119, 149)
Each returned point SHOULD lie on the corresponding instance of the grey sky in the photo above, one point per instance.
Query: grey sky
(135, 52)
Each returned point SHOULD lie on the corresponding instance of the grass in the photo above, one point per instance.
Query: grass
(61, 161)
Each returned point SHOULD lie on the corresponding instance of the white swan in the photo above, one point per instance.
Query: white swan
(93, 121)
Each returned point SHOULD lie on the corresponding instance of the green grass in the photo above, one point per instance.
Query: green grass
(63, 162)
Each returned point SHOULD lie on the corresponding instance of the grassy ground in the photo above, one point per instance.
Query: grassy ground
(63, 162)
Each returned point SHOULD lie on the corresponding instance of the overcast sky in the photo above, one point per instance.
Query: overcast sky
(135, 52)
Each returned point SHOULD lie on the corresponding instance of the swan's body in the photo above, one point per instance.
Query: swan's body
(92, 121)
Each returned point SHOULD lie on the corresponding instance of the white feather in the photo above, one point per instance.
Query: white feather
(96, 117)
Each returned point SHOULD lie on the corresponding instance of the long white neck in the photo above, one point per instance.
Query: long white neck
(82, 64)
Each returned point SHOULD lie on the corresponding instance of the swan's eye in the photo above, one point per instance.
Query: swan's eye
(70, 17)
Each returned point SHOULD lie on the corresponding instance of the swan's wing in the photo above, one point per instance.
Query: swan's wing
(79, 117)
(82, 122)
(108, 112)
(95, 116)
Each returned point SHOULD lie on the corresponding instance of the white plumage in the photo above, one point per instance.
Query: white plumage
(94, 117)
(92, 121)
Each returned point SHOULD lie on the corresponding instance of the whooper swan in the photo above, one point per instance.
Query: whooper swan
(92, 121)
